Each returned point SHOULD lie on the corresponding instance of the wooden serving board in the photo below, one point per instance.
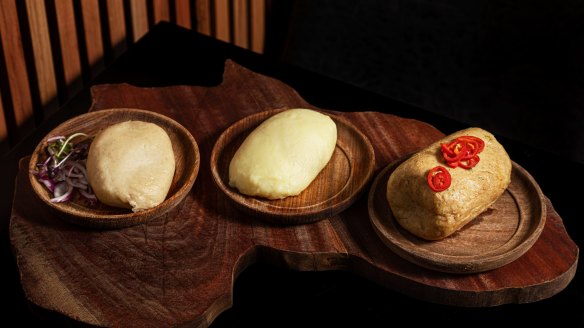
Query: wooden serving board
(180, 268)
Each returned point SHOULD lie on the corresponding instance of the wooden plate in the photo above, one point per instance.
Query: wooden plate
(186, 153)
(497, 237)
(333, 190)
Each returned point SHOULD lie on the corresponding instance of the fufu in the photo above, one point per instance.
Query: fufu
(284, 154)
(131, 165)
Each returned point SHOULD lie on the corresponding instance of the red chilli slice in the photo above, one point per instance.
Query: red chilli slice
(439, 178)
(462, 151)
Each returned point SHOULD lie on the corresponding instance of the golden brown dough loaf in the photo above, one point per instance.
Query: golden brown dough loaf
(131, 165)
(435, 215)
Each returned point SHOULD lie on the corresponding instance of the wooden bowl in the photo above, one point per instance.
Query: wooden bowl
(187, 158)
(335, 188)
(496, 237)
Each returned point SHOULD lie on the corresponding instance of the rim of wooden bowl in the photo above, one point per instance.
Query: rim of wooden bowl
(187, 159)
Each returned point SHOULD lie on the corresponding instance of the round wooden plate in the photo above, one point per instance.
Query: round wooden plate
(497, 237)
(333, 190)
(187, 158)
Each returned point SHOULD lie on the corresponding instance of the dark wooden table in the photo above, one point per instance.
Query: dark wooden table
(266, 295)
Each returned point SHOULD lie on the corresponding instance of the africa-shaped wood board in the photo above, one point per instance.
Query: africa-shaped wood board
(180, 268)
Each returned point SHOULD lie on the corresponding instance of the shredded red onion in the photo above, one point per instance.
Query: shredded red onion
(63, 192)
(76, 183)
(88, 194)
(64, 169)
(48, 183)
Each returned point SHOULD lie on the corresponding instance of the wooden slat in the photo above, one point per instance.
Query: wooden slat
(69, 45)
(258, 22)
(16, 68)
(3, 130)
(161, 11)
(240, 23)
(203, 12)
(222, 20)
(139, 18)
(117, 27)
(43, 56)
(183, 13)
(93, 37)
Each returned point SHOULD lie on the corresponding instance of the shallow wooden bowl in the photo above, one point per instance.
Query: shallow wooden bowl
(335, 188)
(186, 153)
(493, 239)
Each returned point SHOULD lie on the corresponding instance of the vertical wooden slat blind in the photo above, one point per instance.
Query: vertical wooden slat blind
(17, 98)
(49, 49)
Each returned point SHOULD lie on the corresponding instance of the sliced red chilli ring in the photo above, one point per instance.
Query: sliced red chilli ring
(439, 178)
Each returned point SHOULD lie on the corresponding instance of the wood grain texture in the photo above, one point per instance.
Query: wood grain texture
(179, 269)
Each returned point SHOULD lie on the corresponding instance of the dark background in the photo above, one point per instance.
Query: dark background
(514, 67)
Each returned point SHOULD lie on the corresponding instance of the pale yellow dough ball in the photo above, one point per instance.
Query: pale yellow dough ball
(131, 165)
(284, 154)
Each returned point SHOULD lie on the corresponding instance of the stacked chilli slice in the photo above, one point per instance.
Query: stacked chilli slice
(463, 151)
